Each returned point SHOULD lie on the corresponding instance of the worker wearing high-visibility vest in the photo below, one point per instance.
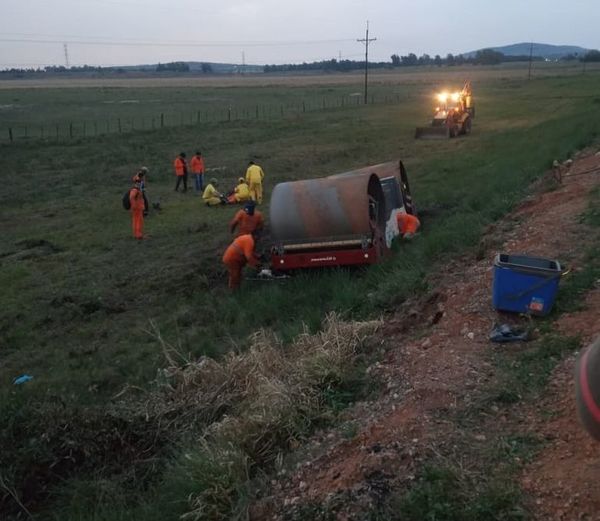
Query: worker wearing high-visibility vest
(181, 171)
(140, 177)
(254, 178)
(408, 224)
(136, 200)
(197, 166)
(247, 220)
(239, 253)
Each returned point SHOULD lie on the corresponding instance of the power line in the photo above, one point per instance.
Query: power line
(141, 43)
(366, 41)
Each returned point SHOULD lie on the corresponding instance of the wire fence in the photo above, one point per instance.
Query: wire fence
(66, 130)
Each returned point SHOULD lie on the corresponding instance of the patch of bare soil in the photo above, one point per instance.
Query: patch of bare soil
(563, 481)
(437, 357)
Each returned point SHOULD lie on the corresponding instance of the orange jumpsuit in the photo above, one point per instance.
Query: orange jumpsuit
(136, 198)
(239, 253)
(407, 223)
(246, 223)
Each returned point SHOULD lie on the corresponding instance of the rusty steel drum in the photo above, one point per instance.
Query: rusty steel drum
(587, 388)
(345, 206)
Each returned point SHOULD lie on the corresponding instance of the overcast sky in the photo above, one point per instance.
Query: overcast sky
(114, 32)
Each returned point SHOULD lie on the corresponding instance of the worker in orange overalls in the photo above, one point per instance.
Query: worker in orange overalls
(181, 171)
(197, 165)
(140, 176)
(136, 199)
(254, 178)
(408, 225)
(247, 220)
(239, 253)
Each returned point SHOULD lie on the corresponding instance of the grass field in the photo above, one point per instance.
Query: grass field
(82, 302)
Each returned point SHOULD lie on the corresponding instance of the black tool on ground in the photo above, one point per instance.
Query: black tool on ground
(504, 333)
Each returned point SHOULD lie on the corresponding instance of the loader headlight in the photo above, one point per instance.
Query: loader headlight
(442, 97)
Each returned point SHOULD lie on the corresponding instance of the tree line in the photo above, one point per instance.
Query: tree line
(482, 57)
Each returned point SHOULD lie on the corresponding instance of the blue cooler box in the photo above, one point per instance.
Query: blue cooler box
(525, 284)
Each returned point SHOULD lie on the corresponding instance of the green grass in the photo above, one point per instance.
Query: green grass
(75, 309)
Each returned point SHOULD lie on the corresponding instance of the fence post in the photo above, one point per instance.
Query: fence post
(281, 110)
(26, 132)
(10, 134)
(119, 124)
(162, 120)
(84, 129)
(342, 101)
(323, 102)
(42, 131)
(229, 114)
(95, 128)
(198, 117)
(303, 106)
(56, 130)
(71, 129)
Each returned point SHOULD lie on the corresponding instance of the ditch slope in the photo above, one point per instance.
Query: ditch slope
(438, 365)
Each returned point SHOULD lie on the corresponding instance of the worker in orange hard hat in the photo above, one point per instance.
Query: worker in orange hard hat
(136, 199)
(247, 220)
(197, 165)
(254, 178)
(181, 171)
(239, 253)
(408, 224)
(241, 193)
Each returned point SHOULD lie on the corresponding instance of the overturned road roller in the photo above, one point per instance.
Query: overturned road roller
(341, 220)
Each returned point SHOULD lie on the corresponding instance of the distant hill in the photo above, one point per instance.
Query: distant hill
(544, 50)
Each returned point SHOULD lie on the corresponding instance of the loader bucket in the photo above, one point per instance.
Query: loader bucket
(441, 132)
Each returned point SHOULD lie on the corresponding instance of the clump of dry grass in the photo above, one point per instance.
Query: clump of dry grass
(255, 403)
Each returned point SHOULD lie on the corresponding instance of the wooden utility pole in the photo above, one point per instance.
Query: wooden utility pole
(530, 60)
(366, 40)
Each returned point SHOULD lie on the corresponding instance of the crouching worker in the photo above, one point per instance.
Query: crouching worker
(136, 200)
(241, 193)
(408, 225)
(248, 220)
(211, 196)
(239, 253)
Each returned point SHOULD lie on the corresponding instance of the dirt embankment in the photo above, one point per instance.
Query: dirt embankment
(436, 362)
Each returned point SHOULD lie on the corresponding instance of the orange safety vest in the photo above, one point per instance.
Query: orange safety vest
(180, 166)
(241, 251)
(407, 223)
(136, 199)
(197, 164)
(247, 223)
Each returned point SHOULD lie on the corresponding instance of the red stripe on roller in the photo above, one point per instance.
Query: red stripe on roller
(586, 393)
